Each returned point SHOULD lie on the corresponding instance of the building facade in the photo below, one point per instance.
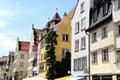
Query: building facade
(56, 19)
(32, 57)
(80, 40)
(102, 41)
(10, 63)
(21, 60)
(116, 20)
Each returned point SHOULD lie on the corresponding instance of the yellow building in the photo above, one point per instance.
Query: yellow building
(102, 42)
(63, 30)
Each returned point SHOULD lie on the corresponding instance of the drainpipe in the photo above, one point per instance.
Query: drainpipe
(88, 52)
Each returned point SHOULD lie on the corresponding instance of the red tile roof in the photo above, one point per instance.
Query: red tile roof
(36, 35)
(24, 46)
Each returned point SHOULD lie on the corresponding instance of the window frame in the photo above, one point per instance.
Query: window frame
(64, 50)
(65, 37)
(77, 27)
(22, 56)
(105, 8)
(118, 57)
(94, 36)
(21, 64)
(94, 57)
(83, 23)
(83, 43)
(82, 9)
(104, 32)
(76, 45)
(75, 64)
(105, 55)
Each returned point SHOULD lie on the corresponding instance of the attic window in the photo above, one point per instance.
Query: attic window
(105, 8)
(95, 15)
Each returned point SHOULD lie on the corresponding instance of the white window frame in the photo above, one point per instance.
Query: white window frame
(64, 50)
(80, 63)
(75, 64)
(76, 27)
(65, 37)
(76, 45)
(82, 7)
(83, 43)
(83, 23)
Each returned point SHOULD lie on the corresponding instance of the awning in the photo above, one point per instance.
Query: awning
(35, 78)
(64, 78)
(75, 78)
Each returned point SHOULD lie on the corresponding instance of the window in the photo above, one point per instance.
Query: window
(84, 62)
(105, 56)
(95, 15)
(118, 4)
(82, 7)
(77, 27)
(83, 24)
(65, 37)
(83, 40)
(104, 32)
(80, 63)
(118, 30)
(21, 73)
(64, 52)
(94, 57)
(94, 37)
(105, 8)
(76, 64)
(118, 57)
(22, 56)
(77, 45)
(21, 64)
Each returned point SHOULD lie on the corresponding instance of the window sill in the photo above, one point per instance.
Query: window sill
(76, 32)
(82, 11)
(76, 50)
(82, 48)
(94, 41)
(103, 37)
(117, 62)
(105, 61)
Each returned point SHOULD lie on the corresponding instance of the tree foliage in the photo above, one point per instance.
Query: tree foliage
(50, 41)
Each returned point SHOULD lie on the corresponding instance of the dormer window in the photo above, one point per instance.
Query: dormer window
(105, 8)
(95, 15)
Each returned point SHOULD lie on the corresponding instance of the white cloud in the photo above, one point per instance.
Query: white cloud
(3, 24)
(6, 44)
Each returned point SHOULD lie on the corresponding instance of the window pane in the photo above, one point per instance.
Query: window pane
(76, 45)
(77, 27)
(83, 23)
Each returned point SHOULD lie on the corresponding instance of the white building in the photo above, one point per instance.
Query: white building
(80, 40)
(116, 19)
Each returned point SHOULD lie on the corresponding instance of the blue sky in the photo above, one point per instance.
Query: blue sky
(17, 17)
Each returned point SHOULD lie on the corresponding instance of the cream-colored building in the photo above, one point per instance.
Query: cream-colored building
(21, 60)
(32, 57)
(102, 41)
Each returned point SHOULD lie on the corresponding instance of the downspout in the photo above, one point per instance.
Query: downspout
(88, 53)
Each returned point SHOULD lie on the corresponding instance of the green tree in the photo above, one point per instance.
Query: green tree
(50, 41)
